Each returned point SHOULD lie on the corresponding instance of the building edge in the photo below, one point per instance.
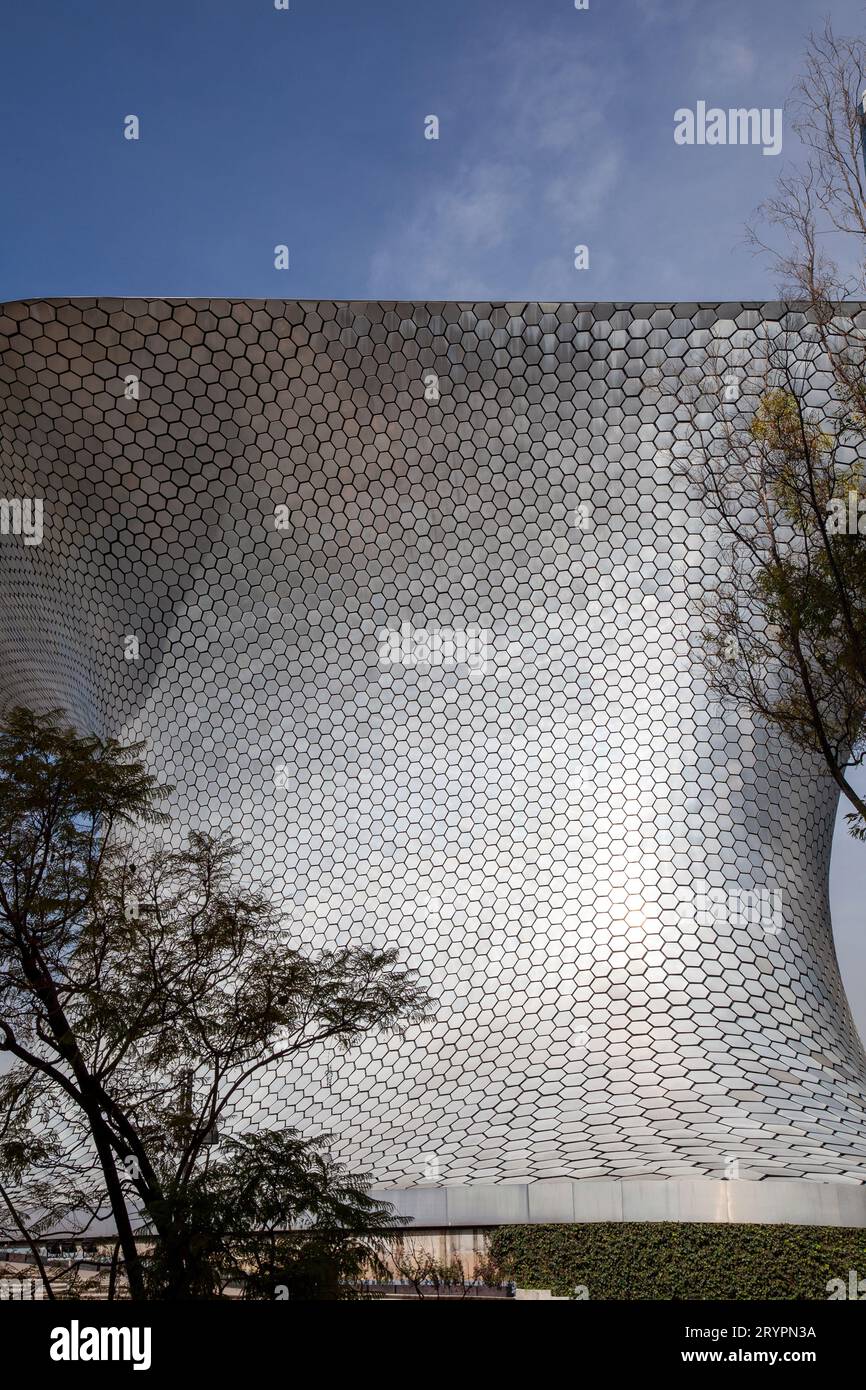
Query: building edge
(771, 1201)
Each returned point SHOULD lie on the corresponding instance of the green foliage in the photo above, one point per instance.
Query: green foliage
(664, 1260)
(61, 796)
(780, 423)
(432, 1277)
(787, 637)
(229, 1224)
(141, 990)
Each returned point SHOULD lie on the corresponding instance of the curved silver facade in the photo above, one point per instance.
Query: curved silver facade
(406, 595)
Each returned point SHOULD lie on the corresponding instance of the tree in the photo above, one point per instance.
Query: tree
(419, 1267)
(784, 484)
(812, 228)
(430, 1276)
(786, 620)
(141, 989)
(277, 1216)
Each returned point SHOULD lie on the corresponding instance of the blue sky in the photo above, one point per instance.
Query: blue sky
(306, 127)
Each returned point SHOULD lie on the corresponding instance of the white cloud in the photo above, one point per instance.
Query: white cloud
(442, 248)
(724, 60)
(666, 11)
(542, 166)
(577, 198)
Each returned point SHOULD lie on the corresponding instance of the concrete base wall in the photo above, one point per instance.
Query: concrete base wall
(797, 1202)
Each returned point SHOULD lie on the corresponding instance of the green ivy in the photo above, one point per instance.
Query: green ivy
(680, 1260)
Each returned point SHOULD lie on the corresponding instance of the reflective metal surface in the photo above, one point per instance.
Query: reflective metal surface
(413, 593)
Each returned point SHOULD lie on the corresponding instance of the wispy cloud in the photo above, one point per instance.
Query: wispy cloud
(723, 59)
(540, 167)
(666, 11)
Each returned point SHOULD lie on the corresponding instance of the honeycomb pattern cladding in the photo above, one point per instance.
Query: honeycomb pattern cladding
(530, 812)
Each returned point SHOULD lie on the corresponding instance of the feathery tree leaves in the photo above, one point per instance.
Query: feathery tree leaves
(142, 988)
